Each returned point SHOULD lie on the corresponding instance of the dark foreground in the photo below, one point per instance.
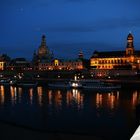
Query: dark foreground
(11, 132)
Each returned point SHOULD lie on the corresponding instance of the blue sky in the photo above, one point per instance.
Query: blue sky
(70, 26)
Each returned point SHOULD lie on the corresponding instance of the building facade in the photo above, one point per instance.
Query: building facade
(58, 64)
(19, 64)
(127, 59)
(4, 61)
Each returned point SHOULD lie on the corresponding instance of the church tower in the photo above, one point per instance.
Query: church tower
(43, 50)
(130, 46)
(80, 55)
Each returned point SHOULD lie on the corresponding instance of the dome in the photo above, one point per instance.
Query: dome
(42, 50)
(130, 36)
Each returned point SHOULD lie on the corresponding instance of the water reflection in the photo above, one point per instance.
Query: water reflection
(98, 100)
(50, 97)
(58, 99)
(19, 94)
(13, 91)
(73, 98)
(76, 97)
(111, 100)
(2, 97)
(134, 99)
(39, 92)
(62, 109)
(31, 95)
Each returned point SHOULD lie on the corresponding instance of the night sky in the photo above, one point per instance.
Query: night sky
(70, 26)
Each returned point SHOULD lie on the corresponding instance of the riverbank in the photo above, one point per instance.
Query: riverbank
(43, 77)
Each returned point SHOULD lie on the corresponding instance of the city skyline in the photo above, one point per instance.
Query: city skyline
(69, 26)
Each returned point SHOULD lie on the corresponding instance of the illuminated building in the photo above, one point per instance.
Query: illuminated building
(43, 53)
(128, 59)
(19, 64)
(58, 64)
(43, 60)
(4, 61)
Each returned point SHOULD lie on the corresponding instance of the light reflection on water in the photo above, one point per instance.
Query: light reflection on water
(39, 93)
(13, 91)
(31, 95)
(2, 97)
(69, 107)
(73, 96)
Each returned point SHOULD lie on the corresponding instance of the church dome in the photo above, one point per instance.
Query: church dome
(42, 50)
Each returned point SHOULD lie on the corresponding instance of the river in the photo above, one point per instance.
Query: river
(110, 115)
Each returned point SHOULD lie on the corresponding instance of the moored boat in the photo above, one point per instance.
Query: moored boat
(58, 85)
(65, 84)
(75, 84)
(98, 85)
(4, 81)
(26, 83)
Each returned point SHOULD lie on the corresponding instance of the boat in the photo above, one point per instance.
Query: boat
(99, 85)
(66, 84)
(75, 84)
(5, 82)
(26, 83)
(84, 84)
(59, 85)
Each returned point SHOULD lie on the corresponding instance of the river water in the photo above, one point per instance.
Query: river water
(109, 115)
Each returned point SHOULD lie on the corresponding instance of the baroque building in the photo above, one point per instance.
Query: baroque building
(43, 60)
(43, 54)
(60, 64)
(19, 64)
(63, 64)
(127, 59)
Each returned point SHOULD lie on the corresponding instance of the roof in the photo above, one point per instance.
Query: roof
(20, 59)
(108, 54)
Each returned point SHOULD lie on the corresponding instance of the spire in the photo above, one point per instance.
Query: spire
(43, 42)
